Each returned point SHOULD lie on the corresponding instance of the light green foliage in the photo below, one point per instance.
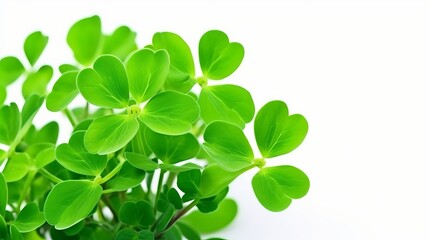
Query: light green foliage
(276, 131)
(228, 146)
(63, 92)
(75, 157)
(34, 46)
(182, 70)
(153, 147)
(147, 71)
(213, 221)
(275, 187)
(218, 57)
(227, 103)
(10, 70)
(71, 201)
(84, 39)
(36, 82)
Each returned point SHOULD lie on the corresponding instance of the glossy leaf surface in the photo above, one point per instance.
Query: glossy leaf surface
(228, 146)
(218, 57)
(147, 71)
(71, 201)
(106, 85)
(275, 187)
(276, 131)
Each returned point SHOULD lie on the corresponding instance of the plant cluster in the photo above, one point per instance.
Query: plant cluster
(151, 154)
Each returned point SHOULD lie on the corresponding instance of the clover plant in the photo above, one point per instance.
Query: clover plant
(154, 146)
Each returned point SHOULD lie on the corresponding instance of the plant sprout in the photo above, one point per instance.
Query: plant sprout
(154, 147)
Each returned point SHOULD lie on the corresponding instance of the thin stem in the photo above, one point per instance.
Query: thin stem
(71, 117)
(100, 213)
(149, 185)
(26, 188)
(106, 200)
(50, 176)
(176, 217)
(170, 179)
(114, 171)
(158, 190)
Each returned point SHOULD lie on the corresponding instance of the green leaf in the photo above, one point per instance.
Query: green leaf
(130, 234)
(75, 157)
(165, 218)
(214, 221)
(172, 149)
(147, 71)
(3, 196)
(210, 204)
(47, 134)
(106, 85)
(229, 103)
(177, 169)
(189, 182)
(110, 133)
(214, 179)
(120, 43)
(37, 82)
(71, 201)
(172, 233)
(10, 123)
(126, 178)
(63, 92)
(3, 227)
(34, 45)
(84, 39)
(17, 167)
(188, 231)
(218, 57)
(182, 70)
(228, 146)
(10, 70)
(174, 198)
(137, 213)
(276, 132)
(45, 157)
(29, 219)
(170, 113)
(141, 161)
(14, 233)
(67, 68)
(276, 186)
(3, 94)
(31, 107)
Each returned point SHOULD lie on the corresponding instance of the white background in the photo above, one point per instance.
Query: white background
(358, 70)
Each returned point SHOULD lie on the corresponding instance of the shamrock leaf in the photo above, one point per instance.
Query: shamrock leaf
(228, 146)
(218, 57)
(84, 38)
(106, 85)
(34, 45)
(229, 103)
(276, 131)
(71, 201)
(275, 187)
(147, 71)
(75, 157)
(182, 70)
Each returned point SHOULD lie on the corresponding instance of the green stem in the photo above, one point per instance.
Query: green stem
(106, 201)
(149, 185)
(112, 173)
(50, 176)
(30, 176)
(158, 190)
(176, 217)
(170, 179)
(71, 117)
